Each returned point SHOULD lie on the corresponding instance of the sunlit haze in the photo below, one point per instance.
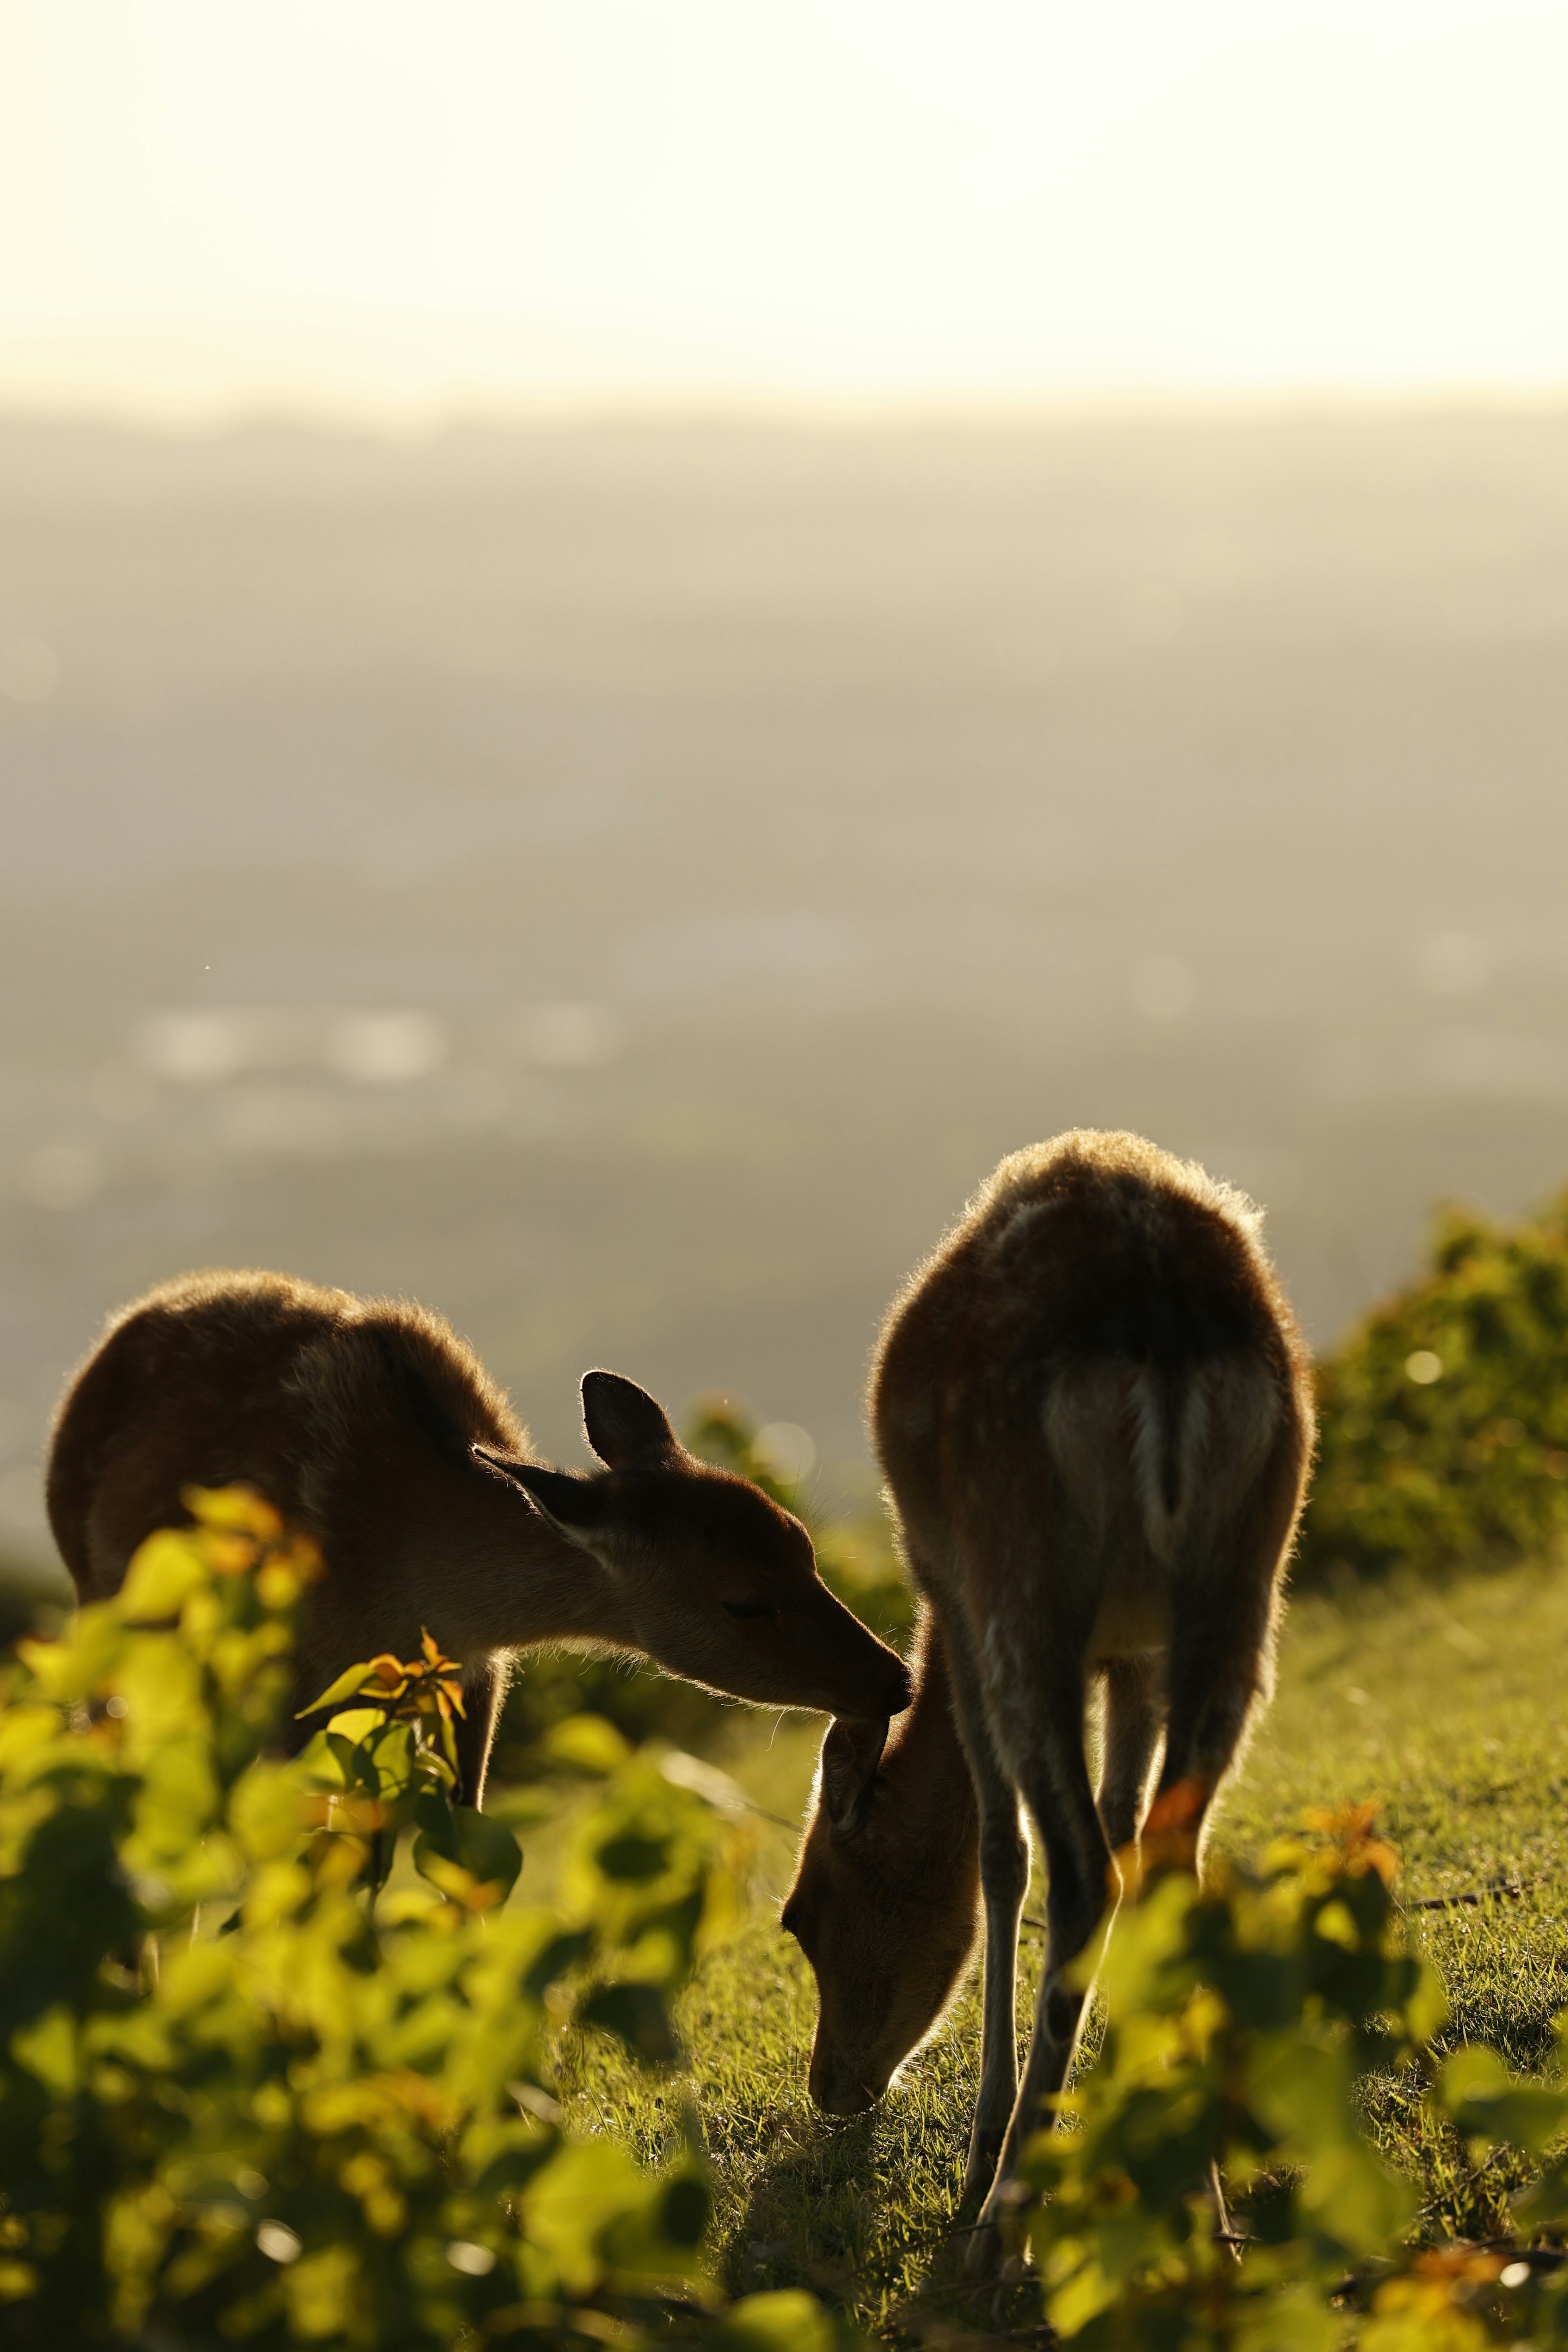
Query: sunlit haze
(387, 208)
(637, 634)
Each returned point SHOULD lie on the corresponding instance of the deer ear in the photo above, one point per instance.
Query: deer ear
(626, 1429)
(575, 1505)
(851, 1755)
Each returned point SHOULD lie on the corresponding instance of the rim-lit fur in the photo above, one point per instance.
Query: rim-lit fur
(371, 1425)
(1094, 1407)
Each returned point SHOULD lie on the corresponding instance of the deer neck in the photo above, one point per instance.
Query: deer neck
(524, 1583)
(926, 1756)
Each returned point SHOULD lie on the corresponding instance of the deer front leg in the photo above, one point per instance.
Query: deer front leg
(1081, 1879)
(484, 1692)
(1003, 1877)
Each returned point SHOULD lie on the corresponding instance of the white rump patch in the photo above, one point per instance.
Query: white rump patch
(1190, 1453)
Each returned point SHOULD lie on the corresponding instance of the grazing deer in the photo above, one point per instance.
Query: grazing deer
(372, 1426)
(1093, 1409)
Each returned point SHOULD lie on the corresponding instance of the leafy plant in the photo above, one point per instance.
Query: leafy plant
(1445, 1414)
(258, 2086)
(1221, 2186)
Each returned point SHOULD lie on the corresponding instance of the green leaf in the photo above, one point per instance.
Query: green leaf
(659, 2239)
(787, 2320)
(586, 1743)
(584, 2189)
(1426, 2010)
(1486, 2102)
(1085, 2294)
(632, 1857)
(476, 1841)
(1476, 2072)
(347, 1685)
(1290, 2319)
(1355, 2198)
(637, 2015)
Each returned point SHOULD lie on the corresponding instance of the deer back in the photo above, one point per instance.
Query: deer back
(1100, 1353)
(375, 1427)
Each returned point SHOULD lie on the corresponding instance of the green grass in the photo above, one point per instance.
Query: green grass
(1446, 1703)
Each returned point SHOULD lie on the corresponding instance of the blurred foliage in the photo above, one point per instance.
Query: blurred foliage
(1220, 2187)
(255, 2086)
(857, 1561)
(1445, 1414)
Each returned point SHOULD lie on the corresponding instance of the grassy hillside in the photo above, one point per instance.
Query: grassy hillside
(1446, 1702)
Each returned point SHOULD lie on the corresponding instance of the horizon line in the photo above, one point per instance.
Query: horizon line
(429, 421)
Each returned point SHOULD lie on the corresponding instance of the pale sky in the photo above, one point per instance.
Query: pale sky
(402, 208)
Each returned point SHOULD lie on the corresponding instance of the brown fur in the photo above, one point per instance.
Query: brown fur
(1094, 1410)
(371, 1425)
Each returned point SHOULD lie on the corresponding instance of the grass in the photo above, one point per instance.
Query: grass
(1446, 1703)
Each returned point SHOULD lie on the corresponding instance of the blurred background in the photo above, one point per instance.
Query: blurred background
(633, 638)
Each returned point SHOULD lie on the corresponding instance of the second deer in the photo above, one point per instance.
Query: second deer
(372, 1426)
(1093, 1409)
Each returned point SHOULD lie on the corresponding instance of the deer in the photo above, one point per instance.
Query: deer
(1092, 1406)
(371, 1426)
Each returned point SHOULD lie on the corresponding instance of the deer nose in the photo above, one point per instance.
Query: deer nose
(835, 2089)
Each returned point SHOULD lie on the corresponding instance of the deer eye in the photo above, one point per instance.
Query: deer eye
(744, 1609)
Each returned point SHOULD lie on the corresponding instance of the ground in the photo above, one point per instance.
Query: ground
(1446, 1704)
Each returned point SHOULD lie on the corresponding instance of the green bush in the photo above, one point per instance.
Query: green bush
(1445, 1414)
(275, 2043)
(1222, 2185)
(258, 2086)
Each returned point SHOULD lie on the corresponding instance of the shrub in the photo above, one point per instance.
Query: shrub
(255, 2088)
(1445, 1414)
(1222, 2187)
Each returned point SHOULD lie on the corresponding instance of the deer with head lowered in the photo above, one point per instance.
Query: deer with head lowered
(1094, 1413)
(372, 1426)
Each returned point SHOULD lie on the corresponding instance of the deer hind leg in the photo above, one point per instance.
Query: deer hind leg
(1135, 1718)
(1004, 1876)
(1215, 1684)
(1225, 1601)
(1054, 1774)
(1220, 1670)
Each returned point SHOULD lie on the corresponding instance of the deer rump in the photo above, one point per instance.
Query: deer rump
(1156, 1464)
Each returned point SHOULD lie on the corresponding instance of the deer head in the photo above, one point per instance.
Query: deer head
(712, 1580)
(885, 1918)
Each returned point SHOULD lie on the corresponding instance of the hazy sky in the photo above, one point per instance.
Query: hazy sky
(401, 207)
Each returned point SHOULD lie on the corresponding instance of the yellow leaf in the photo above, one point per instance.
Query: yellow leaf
(162, 1572)
(236, 1510)
(48, 2048)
